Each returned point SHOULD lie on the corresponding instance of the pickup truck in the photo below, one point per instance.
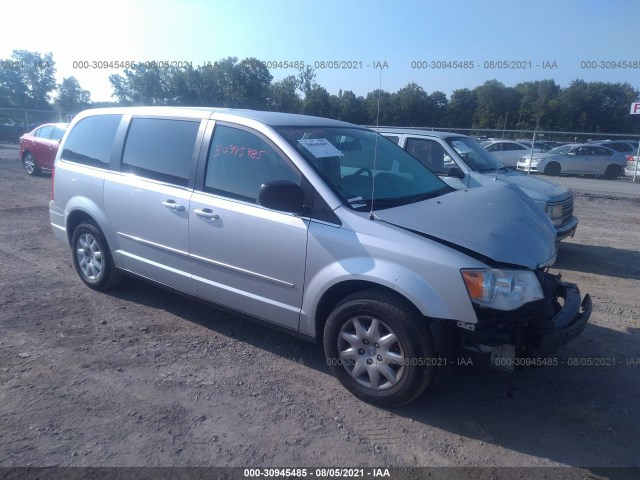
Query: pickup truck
(463, 163)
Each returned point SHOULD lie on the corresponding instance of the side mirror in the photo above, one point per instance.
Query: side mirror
(455, 172)
(281, 195)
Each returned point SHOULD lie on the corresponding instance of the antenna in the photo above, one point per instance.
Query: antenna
(504, 127)
(375, 150)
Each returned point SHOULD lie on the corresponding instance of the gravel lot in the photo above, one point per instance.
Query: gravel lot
(142, 377)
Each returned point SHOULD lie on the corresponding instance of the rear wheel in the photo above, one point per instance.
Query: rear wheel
(92, 257)
(380, 348)
(552, 168)
(29, 162)
(613, 171)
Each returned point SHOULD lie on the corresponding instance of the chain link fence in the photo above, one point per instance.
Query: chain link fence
(16, 121)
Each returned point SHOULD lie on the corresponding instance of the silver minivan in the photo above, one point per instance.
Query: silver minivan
(463, 163)
(320, 227)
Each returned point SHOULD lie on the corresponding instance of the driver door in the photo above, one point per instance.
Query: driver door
(245, 256)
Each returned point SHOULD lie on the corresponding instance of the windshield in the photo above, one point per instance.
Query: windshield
(475, 156)
(560, 150)
(344, 158)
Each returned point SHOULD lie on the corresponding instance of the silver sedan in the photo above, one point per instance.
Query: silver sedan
(576, 159)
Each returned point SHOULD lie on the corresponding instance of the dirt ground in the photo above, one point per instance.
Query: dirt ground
(142, 377)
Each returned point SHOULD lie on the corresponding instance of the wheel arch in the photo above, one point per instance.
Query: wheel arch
(341, 290)
(338, 292)
(75, 218)
(617, 169)
(553, 167)
(80, 209)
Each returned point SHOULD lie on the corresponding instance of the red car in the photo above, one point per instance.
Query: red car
(38, 148)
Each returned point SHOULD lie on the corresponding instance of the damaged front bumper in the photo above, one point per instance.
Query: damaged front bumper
(535, 330)
(566, 325)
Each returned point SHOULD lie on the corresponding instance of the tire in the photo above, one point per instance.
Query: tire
(613, 171)
(92, 258)
(380, 348)
(552, 169)
(30, 165)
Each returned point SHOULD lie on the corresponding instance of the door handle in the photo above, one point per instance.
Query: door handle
(206, 213)
(172, 205)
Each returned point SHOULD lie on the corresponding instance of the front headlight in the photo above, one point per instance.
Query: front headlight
(502, 289)
(555, 214)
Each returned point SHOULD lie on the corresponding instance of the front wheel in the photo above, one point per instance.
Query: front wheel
(30, 165)
(380, 348)
(92, 257)
(553, 169)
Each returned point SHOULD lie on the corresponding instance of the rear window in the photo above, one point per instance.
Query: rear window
(58, 133)
(44, 132)
(91, 140)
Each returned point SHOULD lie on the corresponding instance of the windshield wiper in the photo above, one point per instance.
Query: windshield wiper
(396, 201)
(378, 201)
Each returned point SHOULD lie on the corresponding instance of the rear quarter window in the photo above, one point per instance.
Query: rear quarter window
(395, 139)
(160, 149)
(91, 140)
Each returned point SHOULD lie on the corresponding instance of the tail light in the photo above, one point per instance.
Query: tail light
(53, 173)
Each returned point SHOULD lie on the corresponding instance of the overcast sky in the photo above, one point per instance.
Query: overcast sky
(559, 34)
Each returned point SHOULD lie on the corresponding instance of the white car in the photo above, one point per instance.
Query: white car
(508, 151)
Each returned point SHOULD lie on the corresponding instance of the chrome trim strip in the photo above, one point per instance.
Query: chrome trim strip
(155, 264)
(206, 260)
(242, 270)
(244, 293)
(153, 244)
(62, 229)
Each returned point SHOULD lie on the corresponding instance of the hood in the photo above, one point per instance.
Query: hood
(499, 222)
(536, 188)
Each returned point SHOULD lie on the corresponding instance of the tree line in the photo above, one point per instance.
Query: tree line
(540, 104)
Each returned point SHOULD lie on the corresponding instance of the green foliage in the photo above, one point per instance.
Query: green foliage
(597, 107)
(282, 96)
(496, 106)
(71, 97)
(30, 83)
(538, 105)
(317, 102)
(350, 108)
(461, 109)
(306, 79)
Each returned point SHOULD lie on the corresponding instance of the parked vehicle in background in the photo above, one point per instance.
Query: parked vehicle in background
(462, 163)
(10, 129)
(586, 159)
(39, 147)
(276, 217)
(540, 145)
(507, 151)
(633, 166)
